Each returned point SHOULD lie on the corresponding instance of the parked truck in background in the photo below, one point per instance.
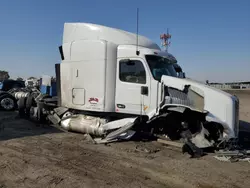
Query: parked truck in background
(105, 73)
(7, 85)
(7, 101)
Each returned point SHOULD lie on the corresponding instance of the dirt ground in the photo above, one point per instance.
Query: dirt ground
(32, 155)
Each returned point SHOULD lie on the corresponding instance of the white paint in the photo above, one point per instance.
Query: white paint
(218, 103)
(129, 94)
(92, 54)
(78, 95)
(92, 68)
(87, 31)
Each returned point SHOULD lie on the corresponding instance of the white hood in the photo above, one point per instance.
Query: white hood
(222, 107)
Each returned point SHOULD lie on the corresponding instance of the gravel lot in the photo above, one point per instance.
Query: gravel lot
(34, 155)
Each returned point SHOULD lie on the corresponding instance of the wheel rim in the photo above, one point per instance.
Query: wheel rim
(7, 103)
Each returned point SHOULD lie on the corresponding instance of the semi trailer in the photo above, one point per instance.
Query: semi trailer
(112, 83)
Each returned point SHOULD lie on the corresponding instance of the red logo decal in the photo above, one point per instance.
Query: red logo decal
(93, 100)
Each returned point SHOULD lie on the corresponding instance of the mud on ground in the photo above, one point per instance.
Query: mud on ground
(34, 155)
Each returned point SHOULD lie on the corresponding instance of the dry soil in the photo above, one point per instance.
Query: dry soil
(34, 155)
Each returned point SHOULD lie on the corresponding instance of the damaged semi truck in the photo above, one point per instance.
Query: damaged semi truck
(112, 84)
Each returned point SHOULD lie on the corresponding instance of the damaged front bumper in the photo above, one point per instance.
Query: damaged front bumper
(221, 107)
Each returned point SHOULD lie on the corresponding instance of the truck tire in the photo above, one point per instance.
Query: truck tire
(22, 106)
(30, 102)
(40, 116)
(7, 102)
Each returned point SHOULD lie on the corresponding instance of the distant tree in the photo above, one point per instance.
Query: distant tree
(4, 75)
(19, 79)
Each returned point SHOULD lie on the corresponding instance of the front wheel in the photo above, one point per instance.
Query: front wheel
(7, 102)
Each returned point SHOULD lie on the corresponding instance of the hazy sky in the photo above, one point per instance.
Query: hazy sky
(210, 39)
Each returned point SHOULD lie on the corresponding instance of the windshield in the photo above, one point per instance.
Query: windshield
(160, 66)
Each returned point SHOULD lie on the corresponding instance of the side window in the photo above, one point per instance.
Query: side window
(132, 71)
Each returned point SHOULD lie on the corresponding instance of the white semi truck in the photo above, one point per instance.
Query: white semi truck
(111, 74)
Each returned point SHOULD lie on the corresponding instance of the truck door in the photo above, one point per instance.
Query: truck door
(132, 86)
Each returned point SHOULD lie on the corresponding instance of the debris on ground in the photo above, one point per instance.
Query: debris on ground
(233, 156)
(187, 147)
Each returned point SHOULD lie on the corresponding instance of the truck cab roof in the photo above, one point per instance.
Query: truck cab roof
(88, 31)
(88, 36)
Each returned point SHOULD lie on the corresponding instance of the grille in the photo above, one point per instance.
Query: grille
(191, 98)
(178, 97)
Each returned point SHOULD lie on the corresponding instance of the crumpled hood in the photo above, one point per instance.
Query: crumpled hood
(221, 106)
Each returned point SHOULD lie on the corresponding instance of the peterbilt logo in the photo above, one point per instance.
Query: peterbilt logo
(93, 100)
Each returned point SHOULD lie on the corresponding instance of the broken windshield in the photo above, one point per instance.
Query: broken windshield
(160, 66)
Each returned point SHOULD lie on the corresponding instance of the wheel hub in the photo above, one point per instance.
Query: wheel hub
(7, 103)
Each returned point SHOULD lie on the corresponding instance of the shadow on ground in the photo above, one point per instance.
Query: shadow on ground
(11, 126)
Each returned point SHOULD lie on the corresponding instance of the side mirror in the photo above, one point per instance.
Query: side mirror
(144, 90)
